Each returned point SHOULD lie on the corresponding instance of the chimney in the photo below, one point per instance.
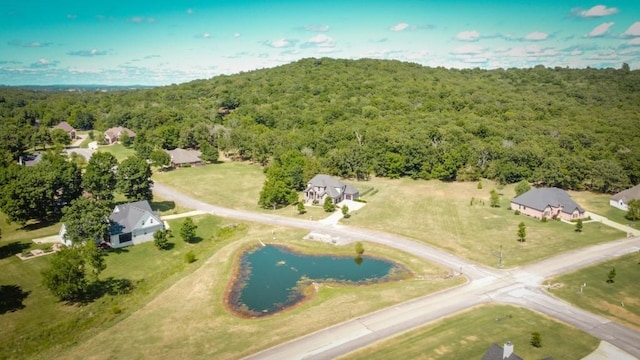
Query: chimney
(508, 350)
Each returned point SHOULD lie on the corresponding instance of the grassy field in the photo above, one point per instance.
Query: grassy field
(619, 301)
(176, 310)
(599, 204)
(468, 336)
(441, 214)
(435, 212)
(118, 150)
(229, 184)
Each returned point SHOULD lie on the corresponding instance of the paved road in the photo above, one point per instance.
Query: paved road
(519, 286)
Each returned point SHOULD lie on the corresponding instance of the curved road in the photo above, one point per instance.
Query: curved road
(520, 286)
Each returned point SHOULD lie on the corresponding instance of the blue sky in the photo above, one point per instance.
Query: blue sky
(163, 42)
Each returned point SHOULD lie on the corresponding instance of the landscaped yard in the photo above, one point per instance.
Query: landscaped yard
(118, 150)
(442, 215)
(176, 310)
(619, 301)
(599, 204)
(229, 184)
(468, 336)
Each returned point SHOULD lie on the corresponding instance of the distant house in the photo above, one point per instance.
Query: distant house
(621, 199)
(67, 128)
(548, 203)
(112, 135)
(130, 224)
(323, 186)
(496, 352)
(185, 157)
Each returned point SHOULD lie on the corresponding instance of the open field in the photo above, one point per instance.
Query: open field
(229, 184)
(176, 310)
(118, 150)
(435, 212)
(619, 301)
(441, 214)
(599, 204)
(468, 336)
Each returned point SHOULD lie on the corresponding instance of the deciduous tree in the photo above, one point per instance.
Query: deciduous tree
(99, 178)
(134, 179)
(85, 220)
(188, 230)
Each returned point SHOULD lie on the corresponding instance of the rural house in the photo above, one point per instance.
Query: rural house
(185, 157)
(496, 352)
(621, 199)
(67, 128)
(130, 224)
(323, 186)
(112, 135)
(547, 203)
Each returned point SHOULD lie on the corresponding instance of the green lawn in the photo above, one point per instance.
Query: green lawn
(183, 303)
(599, 204)
(468, 336)
(619, 301)
(229, 184)
(441, 214)
(118, 150)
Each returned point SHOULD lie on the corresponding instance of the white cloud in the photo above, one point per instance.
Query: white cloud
(206, 35)
(598, 11)
(468, 36)
(44, 63)
(72, 16)
(87, 53)
(600, 30)
(317, 28)
(468, 50)
(399, 27)
(236, 35)
(536, 36)
(634, 42)
(576, 52)
(189, 11)
(280, 43)
(322, 40)
(633, 30)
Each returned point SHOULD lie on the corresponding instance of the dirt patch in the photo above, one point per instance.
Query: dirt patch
(620, 312)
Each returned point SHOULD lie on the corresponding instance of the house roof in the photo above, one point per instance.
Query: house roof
(184, 156)
(64, 126)
(125, 217)
(332, 186)
(540, 198)
(114, 132)
(496, 352)
(628, 195)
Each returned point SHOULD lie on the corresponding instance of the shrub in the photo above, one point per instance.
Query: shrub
(517, 212)
(190, 257)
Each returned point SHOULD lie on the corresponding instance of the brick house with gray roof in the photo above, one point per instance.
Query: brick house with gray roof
(547, 203)
(323, 186)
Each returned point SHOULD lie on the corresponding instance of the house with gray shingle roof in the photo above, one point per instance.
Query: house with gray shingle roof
(185, 157)
(130, 224)
(621, 199)
(323, 186)
(496, 352)
(547, 203)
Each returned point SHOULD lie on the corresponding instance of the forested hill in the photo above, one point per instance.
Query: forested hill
(571, 128)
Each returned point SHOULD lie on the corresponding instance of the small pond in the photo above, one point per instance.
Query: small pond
(273, 277)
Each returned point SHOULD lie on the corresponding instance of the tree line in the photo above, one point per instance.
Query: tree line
(568, 128)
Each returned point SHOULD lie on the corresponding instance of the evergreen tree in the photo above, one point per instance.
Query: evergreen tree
(188, 230)
(522, 232)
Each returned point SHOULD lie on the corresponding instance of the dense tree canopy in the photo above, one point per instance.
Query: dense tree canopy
(572, 128)
(99, 178)
(134, 179)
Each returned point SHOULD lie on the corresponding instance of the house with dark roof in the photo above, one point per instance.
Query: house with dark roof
(323, 186)
(130, 224)
(67, 128)
(112, 135)
(185, 157)
(621, 199)
(30, 159)
(548, 203)
(496, 352)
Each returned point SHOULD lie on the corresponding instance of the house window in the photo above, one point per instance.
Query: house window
(123, 238)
